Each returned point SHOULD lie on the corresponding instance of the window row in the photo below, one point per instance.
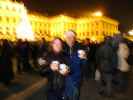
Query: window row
(10, 8)
(8, 19)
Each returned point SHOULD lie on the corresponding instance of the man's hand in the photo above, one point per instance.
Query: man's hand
(82, 54)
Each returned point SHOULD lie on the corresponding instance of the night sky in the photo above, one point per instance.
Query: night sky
(121, 10)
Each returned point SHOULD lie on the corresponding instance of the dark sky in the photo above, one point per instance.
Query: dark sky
(122, 10)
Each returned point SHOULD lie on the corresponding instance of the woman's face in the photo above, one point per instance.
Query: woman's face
(57, 45)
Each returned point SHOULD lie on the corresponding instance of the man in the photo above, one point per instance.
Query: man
(106, 59)
(23, 51)
(77, 57)
(42, 47)
(6, 70)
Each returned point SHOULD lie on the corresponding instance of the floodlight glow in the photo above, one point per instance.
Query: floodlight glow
(98, 13)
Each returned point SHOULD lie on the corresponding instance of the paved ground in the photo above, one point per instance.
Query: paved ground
(32, 87)
(89, 91)
(20, 83)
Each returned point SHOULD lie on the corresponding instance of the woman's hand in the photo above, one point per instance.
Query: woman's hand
(64, 69)
(41, 61)
(54, 65)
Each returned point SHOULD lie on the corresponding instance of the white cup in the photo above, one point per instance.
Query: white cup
(55, 62)
(81, 53)
(63, 69)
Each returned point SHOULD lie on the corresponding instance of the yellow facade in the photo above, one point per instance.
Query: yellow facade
(40, 26)
(9, 18)
(94, 28)
(60, 24)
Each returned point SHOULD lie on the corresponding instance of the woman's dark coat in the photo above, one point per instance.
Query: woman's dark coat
(56, 81)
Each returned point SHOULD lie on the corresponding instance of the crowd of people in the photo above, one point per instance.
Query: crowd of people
(67, 64)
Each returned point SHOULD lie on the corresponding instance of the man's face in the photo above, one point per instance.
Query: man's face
(70, 40)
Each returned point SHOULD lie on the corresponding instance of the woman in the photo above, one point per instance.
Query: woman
(55, 69)
(123, 66)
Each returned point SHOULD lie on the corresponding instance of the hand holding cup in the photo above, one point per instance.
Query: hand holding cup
(82, 54)
(63, 69)
(54, 65)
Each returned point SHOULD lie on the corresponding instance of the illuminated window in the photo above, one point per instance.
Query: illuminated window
(7, 7)
(14, 30)
(7, 28)
(0, 29)
(7, 33)
(13, 9)
(14, 20)
(40, 31)
(7, 19)
(0, 18)
(88, 33)
(19, 10)
(39, 24)
(83, 33)
(97, 32)
(0, 6)
(87, 25)
(31, 23)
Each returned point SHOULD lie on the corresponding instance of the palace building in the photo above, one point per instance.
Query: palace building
(94, 28)
(9, 18)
